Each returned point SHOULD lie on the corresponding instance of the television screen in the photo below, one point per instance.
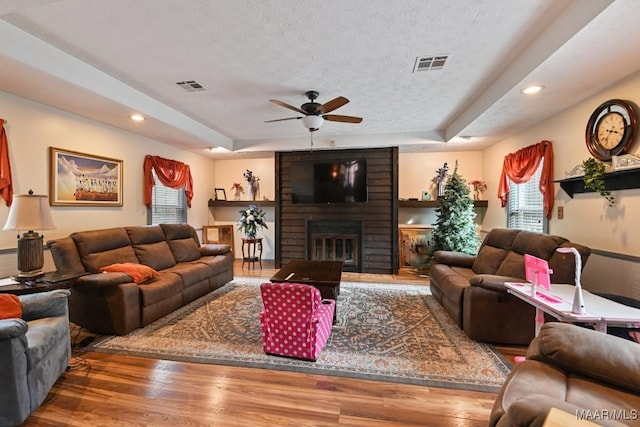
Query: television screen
(337, 181)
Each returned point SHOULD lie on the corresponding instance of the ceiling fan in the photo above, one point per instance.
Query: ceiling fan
(314, 114)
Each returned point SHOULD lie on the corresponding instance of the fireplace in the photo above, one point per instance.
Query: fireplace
(335, 240)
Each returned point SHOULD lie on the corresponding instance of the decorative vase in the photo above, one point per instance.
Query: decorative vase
(250, 234)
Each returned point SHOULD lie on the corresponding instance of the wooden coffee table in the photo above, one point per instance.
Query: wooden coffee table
(323, 275)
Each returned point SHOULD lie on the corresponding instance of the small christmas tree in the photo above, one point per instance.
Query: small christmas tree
(455, 229)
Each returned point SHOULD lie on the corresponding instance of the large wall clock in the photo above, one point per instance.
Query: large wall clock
(611, 129)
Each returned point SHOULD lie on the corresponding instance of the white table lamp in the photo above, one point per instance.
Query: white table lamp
(30, 212)
(578, 300)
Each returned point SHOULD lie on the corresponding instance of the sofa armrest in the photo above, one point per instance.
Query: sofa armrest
(45, 304)
(12, 328)
(581, 351)
(102, 280)
(214, 249)
(457, 259)
(492, 281)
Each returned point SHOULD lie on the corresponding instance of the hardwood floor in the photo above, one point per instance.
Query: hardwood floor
(109, 390)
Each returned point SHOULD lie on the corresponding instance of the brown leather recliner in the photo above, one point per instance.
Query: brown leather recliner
(471, 288)
(588, 374)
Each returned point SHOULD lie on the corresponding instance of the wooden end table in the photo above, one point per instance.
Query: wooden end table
(252, 252)
(47, 282)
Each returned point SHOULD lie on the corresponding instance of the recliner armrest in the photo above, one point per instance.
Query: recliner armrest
(214, 249)
(45, 304)
(457, 259)
(581, 351)
(492, 281)
(12, 328)
(102, 280)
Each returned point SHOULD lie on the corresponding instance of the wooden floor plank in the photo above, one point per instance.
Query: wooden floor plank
(116, 390)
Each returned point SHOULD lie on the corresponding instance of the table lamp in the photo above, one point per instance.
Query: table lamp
(578, 300)
(29, 212)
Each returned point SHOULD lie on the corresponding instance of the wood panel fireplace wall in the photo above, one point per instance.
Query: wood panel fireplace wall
(377, 243)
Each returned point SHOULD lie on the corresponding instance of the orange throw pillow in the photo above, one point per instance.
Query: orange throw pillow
(139, 272)
(10, 307)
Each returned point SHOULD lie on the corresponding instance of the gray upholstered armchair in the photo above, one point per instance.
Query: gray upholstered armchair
(34, 352)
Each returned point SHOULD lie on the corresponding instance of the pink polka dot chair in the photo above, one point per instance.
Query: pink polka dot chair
(295, 320)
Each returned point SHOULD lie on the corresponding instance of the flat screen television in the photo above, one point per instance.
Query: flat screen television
(338, 181)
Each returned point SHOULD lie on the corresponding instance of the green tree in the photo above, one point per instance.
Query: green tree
(455, 227)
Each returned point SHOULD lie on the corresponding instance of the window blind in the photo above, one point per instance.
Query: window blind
(525, 208)
(168, 205)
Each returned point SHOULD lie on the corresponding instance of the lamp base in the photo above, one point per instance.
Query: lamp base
(28, 275)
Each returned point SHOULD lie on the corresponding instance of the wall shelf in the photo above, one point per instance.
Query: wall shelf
(618, 180)
(236, 203)
(434, 203)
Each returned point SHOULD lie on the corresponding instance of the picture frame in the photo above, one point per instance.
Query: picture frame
(80, 179)
(218, 234)
(221, 194)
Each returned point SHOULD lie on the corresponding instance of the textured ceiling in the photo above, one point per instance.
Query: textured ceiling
(104, 59)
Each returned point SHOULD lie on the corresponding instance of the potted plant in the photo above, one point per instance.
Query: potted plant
(594, 172)
(250, 220)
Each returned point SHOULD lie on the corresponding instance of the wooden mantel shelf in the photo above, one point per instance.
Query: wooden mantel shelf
(618, 180)
(236, 203)
(434, 203)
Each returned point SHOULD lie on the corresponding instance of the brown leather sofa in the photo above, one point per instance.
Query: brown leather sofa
(585, 373)
(471, 288)
(111, 303)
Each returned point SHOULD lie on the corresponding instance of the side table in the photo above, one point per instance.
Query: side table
(47, 282)
(252, 252)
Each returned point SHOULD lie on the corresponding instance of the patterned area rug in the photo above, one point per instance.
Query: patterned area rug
(388, 332)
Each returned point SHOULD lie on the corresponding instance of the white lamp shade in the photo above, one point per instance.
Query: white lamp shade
(29, 212)
(312, 122)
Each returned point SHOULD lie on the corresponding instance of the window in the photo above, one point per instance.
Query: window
(168, 205)
(525, 206)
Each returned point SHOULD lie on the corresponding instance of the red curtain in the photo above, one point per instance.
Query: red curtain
(6, 186)
(171, 173)
(520, 167)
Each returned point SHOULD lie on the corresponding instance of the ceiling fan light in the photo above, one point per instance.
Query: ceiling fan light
(312, 122)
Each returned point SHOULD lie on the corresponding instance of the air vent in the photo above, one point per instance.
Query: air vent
(190, 85)
(430, 63)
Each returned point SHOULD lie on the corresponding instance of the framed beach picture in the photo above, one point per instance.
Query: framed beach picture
(78, 179)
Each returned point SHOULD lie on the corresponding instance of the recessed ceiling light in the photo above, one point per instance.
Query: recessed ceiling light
(137, 117)
(530, 90)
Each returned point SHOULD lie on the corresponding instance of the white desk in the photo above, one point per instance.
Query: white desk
(600, 312)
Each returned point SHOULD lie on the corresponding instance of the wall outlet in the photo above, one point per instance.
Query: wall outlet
(560, 212)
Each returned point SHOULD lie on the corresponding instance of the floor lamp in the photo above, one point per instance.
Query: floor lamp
(29, 212)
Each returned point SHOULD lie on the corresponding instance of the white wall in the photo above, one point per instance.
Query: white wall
(228, 172)
(416, 171)
(33, 127)
(587, 218)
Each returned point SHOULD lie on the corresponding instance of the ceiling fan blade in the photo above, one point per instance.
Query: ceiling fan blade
(338, 102)
(281, 120)
(290, 107)
(344, 119)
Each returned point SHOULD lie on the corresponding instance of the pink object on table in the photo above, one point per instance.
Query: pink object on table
(295, 320)
(519, 359)
(537, 271)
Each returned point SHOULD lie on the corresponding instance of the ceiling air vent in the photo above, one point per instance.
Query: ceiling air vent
(429, 63)
(190, 85)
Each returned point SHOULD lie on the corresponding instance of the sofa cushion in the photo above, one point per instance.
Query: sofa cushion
(139, 273)
(99, 248)
(184, 250)
(537, 244)
(151, 247)
(180, 231)
(214, 249)
(489, 259)
(512, 266)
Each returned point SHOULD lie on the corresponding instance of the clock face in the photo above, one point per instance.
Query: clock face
(611, 129)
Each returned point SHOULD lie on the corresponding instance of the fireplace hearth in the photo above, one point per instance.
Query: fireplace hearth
(335, 240)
